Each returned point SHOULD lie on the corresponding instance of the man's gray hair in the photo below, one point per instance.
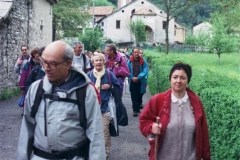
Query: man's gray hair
(68, 53)
(75, 44)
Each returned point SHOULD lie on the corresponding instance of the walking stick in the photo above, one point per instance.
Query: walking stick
(156, 140)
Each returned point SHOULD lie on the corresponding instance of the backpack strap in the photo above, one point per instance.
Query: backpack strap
(81, 95)
(109, 78)
(57, 98)
(84, 62)
(37, 99)
(35, 71)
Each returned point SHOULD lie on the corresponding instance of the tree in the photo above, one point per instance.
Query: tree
(137, 28)
(91, 39)
(103, 3)
(221, 41)
(113, 2)
(68, 18)
(230, 11)
(190, 40)
(172, 9)
(196, 12)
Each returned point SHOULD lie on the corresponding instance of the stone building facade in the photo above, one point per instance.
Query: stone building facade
(27, 22)
(115, 26)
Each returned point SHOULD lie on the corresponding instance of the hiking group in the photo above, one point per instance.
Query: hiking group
(72, 105)
(66, 100)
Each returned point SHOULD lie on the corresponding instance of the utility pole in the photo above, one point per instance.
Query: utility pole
(93, 16)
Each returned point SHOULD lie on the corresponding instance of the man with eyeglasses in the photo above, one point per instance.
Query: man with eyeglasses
(80, 60)
(55, 131)
(21, 61)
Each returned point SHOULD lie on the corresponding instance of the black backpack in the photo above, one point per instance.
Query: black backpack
(80, 93)
(80, 101)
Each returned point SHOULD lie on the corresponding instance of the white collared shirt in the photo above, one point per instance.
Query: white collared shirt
(179, 101)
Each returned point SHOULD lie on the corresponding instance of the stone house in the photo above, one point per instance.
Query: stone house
(99, 13)
(22, 22)
(202, 28)
(116, 25)
(179, 33)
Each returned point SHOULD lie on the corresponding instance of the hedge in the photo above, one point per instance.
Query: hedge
(220, 97)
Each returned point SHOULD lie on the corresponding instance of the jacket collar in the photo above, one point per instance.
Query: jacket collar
(193, 98)
(76, 80)
(117, 58)
(140, 59)
(179, 101)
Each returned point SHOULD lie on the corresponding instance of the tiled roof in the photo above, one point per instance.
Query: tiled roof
(5, 6)
(119, 9)
(145, 11)
(178, 26)
(101, 10)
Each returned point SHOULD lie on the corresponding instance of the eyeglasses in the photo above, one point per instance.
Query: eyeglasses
(52, 65)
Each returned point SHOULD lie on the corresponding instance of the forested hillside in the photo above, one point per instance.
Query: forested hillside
(193, 14)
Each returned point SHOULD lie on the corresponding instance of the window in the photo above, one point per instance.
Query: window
(117, 24)
(133, 11)
(175, 32)
(164, 25)
(102, 23)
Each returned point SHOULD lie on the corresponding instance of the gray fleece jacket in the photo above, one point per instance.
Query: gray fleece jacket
(62, 120)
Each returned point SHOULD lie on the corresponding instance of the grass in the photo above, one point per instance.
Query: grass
(229, 64)
(8, 93)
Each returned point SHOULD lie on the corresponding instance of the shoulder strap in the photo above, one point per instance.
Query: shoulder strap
(37, 99)
(109, 78)
(81, 95)
(84, 62)
(36, 70)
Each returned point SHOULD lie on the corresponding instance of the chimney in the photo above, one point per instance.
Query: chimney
(122, 3)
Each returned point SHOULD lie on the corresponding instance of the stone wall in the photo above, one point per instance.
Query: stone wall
(29, 24)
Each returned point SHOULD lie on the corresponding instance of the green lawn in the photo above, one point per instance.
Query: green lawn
(229, 63)
(217, 84)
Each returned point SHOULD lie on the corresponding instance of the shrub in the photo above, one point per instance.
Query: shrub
(7, 93)
(219, 94)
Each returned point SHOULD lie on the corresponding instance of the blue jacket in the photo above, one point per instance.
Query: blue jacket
(36, 74)
(104, 94)
(142, 75)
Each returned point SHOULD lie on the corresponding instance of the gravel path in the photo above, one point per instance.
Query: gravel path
(129, 145)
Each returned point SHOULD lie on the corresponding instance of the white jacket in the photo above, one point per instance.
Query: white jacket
(62, 121)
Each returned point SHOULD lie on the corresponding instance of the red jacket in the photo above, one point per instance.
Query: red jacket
(160, 105)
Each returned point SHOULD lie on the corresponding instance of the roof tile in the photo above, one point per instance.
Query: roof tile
(101, 10)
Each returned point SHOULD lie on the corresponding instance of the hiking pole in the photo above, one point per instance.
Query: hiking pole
(156, 140)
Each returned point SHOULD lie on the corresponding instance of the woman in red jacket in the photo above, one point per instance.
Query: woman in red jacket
(183, 130)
